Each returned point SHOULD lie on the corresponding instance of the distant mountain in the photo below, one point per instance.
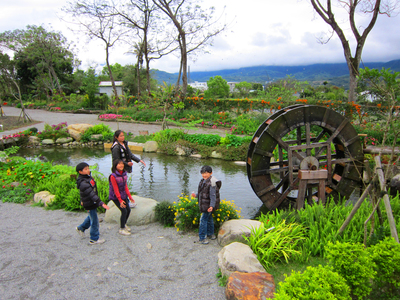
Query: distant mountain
(336, 74)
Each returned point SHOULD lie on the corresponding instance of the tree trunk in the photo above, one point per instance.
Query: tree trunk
(111, 75)
(148, 75)
(25, 116)
(184, 66)
(138, 78)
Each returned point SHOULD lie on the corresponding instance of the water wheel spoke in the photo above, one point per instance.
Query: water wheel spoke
(284, 180)
(284, 195)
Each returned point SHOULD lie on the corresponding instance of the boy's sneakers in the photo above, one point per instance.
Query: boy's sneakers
(81, 233)
(127, 228)
(212, 237)
(204, 242)
(123, 231)
(132, 204)
(99, 241)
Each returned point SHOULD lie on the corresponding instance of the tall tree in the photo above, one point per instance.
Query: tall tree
(373, 8)
(195, 29)
(45, 51)
(98, 21)
(138, 14)
(9, 78)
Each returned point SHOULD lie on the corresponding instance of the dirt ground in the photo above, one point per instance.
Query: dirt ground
(13, 122)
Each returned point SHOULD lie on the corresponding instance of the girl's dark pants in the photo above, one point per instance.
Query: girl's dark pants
(125, 212)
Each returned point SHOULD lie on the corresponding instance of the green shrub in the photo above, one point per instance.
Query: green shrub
(168, 136)
(354, 264)
(18, 194)
(246, 124)
(314, 283)
(386, 256)
(102, 129)
(210, 140)
(164, 213)
(276, 242)
(235, 141)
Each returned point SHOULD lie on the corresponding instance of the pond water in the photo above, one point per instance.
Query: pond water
(164, 177)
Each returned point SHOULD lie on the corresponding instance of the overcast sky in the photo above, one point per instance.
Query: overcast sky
(261, 32)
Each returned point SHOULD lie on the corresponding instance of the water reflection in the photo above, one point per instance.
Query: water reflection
(165, 177)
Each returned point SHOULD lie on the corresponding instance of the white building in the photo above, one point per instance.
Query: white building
(105, 87)
(232, 87)
(202, 86)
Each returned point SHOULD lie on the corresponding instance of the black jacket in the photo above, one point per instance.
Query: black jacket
(124, 153)
(208, 193)
(88, 192)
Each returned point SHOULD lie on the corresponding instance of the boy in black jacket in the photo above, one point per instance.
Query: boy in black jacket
(209, 199)
(90, 201)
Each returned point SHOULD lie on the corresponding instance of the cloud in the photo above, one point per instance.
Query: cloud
(260, 33)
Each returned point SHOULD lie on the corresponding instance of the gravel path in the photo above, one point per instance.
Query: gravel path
(43, 257)
(53, 118)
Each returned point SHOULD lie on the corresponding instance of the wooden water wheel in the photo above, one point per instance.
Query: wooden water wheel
(303, 137)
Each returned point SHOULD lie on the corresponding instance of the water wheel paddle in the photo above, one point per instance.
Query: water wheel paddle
(303, 137)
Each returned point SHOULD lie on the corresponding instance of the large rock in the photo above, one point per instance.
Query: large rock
(150, 146)
(238, 257)
(76, 130)
(64, 140)
(233, 230)
(142, 214)
(180, 151)
(216, 154)
(47, 142)
(33, 140)
(43, 197)
(256, 285)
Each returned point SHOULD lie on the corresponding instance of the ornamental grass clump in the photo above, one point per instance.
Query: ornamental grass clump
(276, 242)
(104, 130)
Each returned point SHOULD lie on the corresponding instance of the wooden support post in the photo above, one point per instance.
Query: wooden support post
(386, 199)
(355, 208)
(307, 176)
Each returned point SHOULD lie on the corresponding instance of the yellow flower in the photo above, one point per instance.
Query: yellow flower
(194, 222)
(218, 219)
(177, 229)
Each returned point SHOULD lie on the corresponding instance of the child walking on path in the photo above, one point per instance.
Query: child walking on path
(209, 199)
(119, 193)
(90, 201)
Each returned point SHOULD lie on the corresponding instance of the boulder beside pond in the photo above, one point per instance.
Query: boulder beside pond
(76, 130)
(233, 230)
(238, 257)
(142, 214)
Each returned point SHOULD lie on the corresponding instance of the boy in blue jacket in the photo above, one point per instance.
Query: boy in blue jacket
(90, 201)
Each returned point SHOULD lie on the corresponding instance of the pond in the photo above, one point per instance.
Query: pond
(164, 177)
